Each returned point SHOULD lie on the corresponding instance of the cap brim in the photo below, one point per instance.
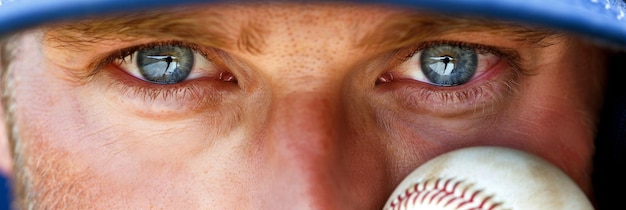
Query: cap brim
(600, 20)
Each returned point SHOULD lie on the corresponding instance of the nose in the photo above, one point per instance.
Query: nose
(310, 160)
(302, 150)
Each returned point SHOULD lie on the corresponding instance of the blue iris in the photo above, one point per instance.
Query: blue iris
(165, 64)
(448, 65)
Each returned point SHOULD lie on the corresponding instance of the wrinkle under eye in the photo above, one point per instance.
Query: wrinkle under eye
(463, 77)
(168, 63)
(447, 63)
(167, 80)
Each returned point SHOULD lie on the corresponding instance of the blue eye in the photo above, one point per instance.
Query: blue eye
(165, 64)
(445, 64)
(448, 65)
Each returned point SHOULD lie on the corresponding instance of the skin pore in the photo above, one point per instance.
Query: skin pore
(294, 106)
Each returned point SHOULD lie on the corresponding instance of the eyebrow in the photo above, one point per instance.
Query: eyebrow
(398, 31)
(406, 29)
(169, 25)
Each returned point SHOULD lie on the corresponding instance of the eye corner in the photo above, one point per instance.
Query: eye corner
(453, 62)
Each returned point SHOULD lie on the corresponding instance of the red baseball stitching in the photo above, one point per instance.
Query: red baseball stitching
(447, 193)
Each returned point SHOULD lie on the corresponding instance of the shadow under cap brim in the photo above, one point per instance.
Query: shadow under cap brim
(600, 20)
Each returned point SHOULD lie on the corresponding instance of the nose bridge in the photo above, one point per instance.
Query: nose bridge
(306, 118)
(301, 147)
(305, 113)
(303, 130)
(303, 133)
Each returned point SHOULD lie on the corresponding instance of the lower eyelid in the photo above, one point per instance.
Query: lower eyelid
(486, 92)
(151, 100)
(481, 99)
(411, 68)
(448, 100)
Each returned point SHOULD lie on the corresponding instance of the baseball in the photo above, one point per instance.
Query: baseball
(484, 178)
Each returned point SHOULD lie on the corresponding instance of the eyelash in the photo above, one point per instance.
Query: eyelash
(443, 95)
(188, 91)
(420, 94)
(122, 53)
(510, 55)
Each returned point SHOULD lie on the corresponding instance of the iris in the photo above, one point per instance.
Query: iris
(168, 64)
(448, 65)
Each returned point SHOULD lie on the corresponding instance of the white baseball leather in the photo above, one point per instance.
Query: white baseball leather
(482, 178)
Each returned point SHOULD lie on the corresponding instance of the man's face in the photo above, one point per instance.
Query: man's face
(265, 106)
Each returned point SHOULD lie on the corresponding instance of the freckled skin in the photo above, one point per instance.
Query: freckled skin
(305, 127)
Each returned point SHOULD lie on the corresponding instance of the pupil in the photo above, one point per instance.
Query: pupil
(165, 64)
(169, 59)
(446, 60)
(448, 65)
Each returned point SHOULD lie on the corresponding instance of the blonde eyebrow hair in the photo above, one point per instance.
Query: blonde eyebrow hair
(170, 25)
(396, 31)
(411, 28)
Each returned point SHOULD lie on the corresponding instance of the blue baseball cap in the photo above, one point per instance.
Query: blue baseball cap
(602, 20)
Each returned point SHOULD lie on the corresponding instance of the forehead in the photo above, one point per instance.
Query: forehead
(249, 24)
(600, 20)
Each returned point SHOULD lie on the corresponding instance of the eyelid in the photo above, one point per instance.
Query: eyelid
(201, 66)
(486, 90)
(508, 53)
(206, 59)
(412, 69)
(402, 56)
(100, 62)
(148, 99)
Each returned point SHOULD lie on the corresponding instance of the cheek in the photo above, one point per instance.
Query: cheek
(78, 155)
(49, 164)
(555, 113)
(551, 113)
(74, 148)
